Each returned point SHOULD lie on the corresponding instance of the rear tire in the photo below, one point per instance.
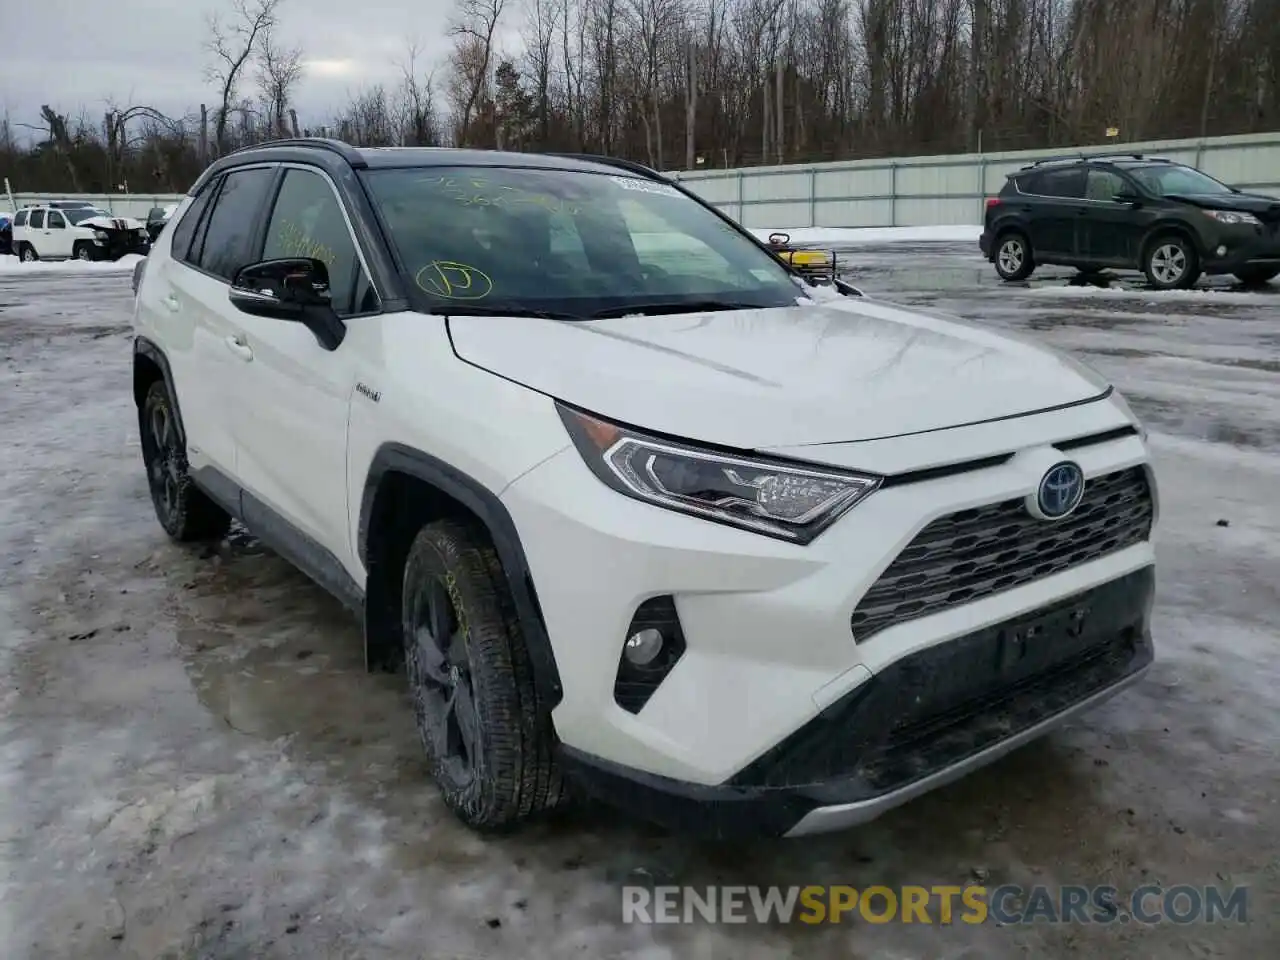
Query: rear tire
(182, 508)
(1013, 259)
(1257, 276)
(1171, 262)
(490, 746)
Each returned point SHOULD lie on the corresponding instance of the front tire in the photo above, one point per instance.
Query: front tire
(489, 744)
(1171, 263)
(184, 511)
(1013, 259)
(83, 251)
(1257, 276)
(28, 254)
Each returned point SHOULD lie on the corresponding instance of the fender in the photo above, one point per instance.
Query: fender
(485, 505)
(1169, 226)
(151, 350)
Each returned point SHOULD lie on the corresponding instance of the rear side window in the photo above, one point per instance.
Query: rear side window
(37, 219)
(228, 239)
(20, 219)
(185, 228)
(1068, 184)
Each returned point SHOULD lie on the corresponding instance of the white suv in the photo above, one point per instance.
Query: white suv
(636, 507)
(68, 229)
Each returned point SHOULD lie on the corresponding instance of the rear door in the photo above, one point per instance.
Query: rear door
(38, 234)
(1110, 230)
(1058, 205)
(209, 360)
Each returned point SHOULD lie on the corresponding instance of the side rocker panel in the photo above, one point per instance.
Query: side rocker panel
(398, 458)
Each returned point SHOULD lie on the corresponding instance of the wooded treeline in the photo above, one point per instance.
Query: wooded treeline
(719, 83)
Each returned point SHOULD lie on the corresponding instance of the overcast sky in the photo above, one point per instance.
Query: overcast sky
(75, 54)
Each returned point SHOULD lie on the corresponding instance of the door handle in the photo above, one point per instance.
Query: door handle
(237, 346)
(172, 304)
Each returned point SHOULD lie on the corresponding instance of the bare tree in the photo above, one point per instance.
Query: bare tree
(473, 26)
(417, 91)
(279, 71)
(233, 38)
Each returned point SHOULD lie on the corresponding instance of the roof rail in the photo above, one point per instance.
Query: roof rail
(340, 147)
(647, 172)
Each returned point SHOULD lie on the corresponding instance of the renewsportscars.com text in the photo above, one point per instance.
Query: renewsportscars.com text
(1005, 904)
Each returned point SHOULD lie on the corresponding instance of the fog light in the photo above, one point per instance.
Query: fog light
(1222, 251)
(643, 646)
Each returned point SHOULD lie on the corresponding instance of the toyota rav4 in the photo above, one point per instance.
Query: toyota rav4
(637, 507)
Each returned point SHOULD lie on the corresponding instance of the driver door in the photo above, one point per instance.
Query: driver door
(60, 242)
(292, 439)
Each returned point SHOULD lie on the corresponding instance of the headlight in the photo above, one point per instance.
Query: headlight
(1233, 216)
(789, 501)
(100, 235)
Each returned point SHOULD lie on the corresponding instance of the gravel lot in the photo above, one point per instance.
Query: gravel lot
(193, 763)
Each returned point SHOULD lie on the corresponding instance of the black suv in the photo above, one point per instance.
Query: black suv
(1131, 212)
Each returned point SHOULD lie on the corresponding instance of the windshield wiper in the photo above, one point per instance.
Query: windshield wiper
(675, 306)
(501, 310)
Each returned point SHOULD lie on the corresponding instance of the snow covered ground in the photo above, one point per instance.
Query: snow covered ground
(13, 266)
(193, 763)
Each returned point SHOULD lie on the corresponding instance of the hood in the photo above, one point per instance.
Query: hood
(1255, 203)
(111, 223)
(782, 376)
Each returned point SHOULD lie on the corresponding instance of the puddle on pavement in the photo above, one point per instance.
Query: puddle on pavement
(1176, 416)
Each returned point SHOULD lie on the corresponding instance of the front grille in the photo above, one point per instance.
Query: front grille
(978, 552)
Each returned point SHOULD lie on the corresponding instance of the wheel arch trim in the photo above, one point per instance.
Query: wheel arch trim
(490, 511)
(145, 347)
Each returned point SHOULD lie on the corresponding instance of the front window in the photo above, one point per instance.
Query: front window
(575, 245)
(1173, 181)
(84, 213)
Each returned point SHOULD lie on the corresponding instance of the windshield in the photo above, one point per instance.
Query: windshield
(84, 213)
(1171, 181)
(568, 244)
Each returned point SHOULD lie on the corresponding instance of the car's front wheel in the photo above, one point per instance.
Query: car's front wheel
(184, 511)
(1257, 276)
(83, 251)
(1171, 263)
(29, 254)
(489, 745)
(1013, 258)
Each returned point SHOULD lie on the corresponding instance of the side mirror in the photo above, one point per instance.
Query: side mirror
(779, 239)
(292, 288)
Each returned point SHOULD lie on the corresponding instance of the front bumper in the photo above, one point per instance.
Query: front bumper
(1231, 248)
(927, 720)
(119, 244)
(772, 643)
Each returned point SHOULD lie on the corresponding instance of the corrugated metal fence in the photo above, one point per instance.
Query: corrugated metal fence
(910, 191)
(920, 191)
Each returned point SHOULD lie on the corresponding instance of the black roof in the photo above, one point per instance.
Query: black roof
(337, 157)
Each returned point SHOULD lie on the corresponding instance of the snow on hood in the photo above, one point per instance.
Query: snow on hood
(784, 376)
(108, 222)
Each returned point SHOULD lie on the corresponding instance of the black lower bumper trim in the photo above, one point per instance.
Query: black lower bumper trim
(933, 710)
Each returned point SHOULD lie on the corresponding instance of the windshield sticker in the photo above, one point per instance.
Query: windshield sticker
(296, 242)
(646, 186)
(476, 192)
(453, 281)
